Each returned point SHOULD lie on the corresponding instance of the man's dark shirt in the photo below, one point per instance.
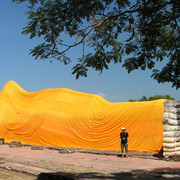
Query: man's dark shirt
(124, 136)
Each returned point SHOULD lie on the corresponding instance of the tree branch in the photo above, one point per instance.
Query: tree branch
(92, 27)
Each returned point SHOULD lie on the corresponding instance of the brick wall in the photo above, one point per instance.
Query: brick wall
(171, 127)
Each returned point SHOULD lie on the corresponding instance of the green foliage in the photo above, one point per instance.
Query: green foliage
(161, 97)
(152, 98)
(151, 27)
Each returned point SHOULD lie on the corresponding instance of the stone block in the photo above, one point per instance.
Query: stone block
(1, 141)
(175, 157)
(37, 147)
(14, 144)
(170, 103)
(66, 151)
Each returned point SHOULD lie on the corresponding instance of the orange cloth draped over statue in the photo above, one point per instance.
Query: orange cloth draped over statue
(67, 118)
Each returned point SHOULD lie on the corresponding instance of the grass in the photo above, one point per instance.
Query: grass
(13, 175)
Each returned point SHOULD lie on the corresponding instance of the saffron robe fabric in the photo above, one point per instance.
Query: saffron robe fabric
(67, 118)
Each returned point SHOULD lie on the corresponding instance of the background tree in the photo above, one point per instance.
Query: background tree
(156, 97)
(144, 98)
(151, 27)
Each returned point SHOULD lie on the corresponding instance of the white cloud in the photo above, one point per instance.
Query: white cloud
(105, 96)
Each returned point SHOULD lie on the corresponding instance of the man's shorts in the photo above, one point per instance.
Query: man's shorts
(124, 146)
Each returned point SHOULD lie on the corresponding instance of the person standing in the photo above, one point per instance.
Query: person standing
(124, 141)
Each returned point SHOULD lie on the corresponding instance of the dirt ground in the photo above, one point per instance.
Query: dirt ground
(66, 163)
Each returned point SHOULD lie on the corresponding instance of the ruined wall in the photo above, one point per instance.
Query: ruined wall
(171, 127)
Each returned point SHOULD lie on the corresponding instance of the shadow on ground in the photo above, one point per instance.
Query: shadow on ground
(161, 174)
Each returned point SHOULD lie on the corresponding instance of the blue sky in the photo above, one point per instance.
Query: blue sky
(115, 84)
